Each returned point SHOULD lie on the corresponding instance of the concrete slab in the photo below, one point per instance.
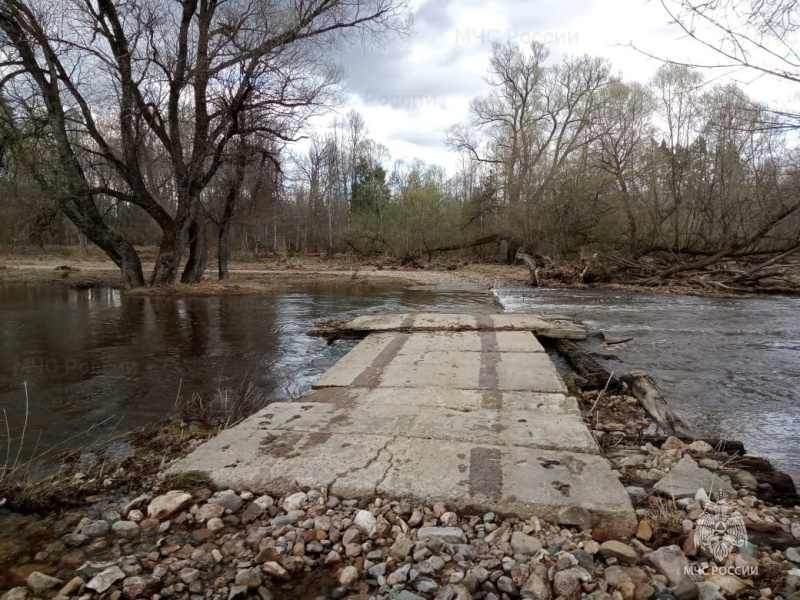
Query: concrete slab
(444, 321)
(527, 371)
(381, 322)
(489, 424)
(365, 359)
(275, 461)
(464, 475)
(457, 399)
(523, 371)
(464, 400)
(394, 366)
(447, 370)
(432, 407)
(471, 341)
(545, 403)
(540, 326)
(520, 480)
(555, 327)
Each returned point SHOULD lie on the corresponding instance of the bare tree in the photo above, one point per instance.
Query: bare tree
(193, 74)
(530, 124)
(750, 36)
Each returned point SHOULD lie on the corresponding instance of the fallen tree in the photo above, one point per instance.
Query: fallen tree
(722, 273)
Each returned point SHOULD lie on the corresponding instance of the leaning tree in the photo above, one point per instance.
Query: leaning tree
(120, 83)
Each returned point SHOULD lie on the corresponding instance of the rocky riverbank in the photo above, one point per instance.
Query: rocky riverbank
(311, 545)
(153, 542)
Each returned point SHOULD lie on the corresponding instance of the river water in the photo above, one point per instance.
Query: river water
(729, 367)
(100, 361)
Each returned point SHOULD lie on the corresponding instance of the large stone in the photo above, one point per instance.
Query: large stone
(686, 477)
(143, 586)
(567, 584)
(295, 501)
(453, 535)
(622, 552)
(163, 507)
(537, 587)
(671, 562)
(105, 579)
(729, 585)
(40, 583)
(348, 576)
(95, 529)
(366, 522)
(126, 529)
(228, 499)
(524, 544)
(401, 548)
(209, 511)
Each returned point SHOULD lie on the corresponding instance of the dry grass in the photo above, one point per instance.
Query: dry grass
(223, 408)
(667, 522)
(188, 481)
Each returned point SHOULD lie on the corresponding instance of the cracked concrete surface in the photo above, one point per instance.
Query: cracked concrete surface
(475, 418)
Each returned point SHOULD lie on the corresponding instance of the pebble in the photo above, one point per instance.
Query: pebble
(39, 582)
(163, 507)
(126, 529)
(348, 576)
(295, 501)
(618, 550)
(228, 499)
(105, 579)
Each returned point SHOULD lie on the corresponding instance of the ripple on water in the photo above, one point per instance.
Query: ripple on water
(730, 367)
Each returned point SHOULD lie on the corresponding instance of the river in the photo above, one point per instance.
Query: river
(101, 361)
(729, 367)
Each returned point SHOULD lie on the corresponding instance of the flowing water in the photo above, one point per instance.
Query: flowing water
(105, 362)
(729, 367)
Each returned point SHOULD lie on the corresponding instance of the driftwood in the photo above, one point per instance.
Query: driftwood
(644, 389)
(587, 367)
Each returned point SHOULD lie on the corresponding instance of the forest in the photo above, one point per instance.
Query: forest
(175, 125)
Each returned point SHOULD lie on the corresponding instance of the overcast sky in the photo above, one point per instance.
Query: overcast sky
(412, 89)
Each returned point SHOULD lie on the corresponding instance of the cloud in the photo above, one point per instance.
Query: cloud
(413, 88)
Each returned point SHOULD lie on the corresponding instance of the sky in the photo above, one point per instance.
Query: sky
(412, 89)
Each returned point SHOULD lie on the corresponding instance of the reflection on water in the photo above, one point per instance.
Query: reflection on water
(729, 367)
(96, 357)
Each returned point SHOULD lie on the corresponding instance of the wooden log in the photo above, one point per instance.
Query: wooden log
(586, 366)
(644, 389)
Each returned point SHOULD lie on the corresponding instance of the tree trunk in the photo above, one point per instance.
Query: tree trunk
(223, 251)
(170, 251)
(84, 215)
(198, 254)
(124, 255)
(511, 252)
